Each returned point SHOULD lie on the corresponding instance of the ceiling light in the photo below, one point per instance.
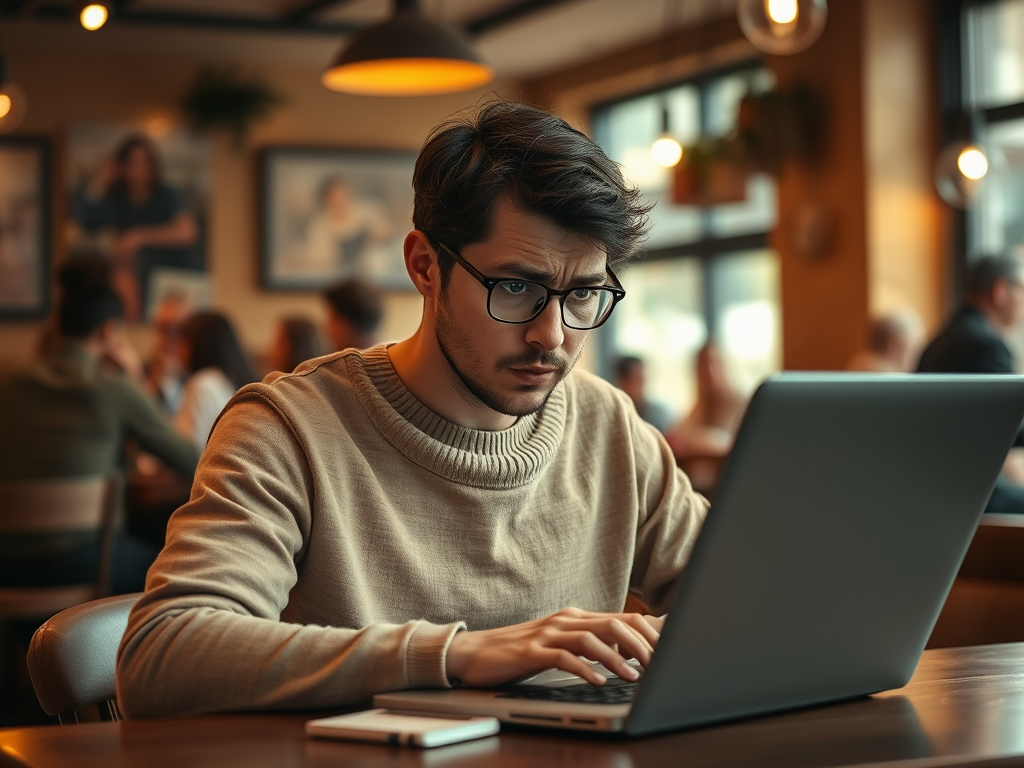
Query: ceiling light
(407, 55)
(94, 15)
(960, 169)
(782, 26)
(666, 151)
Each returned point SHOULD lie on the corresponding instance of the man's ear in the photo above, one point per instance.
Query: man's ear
(1000, 293)
(421, 264)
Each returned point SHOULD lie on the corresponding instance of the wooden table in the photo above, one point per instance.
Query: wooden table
(964, 706)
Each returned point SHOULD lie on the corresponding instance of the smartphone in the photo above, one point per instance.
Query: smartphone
(398, 728)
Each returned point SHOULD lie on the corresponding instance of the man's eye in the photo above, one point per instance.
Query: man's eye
(583, 294)
(514, 288)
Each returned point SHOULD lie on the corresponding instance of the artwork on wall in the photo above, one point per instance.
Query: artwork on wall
(328, 214)
(24, 227)
(138, 197)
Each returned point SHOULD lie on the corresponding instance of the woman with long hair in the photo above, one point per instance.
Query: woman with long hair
(217, 367)
(297, 340)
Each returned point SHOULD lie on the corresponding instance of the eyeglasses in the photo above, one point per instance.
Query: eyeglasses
(512, 300)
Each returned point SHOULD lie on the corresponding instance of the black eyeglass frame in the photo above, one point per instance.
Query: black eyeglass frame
(617, 291)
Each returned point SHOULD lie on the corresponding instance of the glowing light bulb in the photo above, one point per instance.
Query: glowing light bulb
(93, 16)
(666, 151)
(5, 104)
(781, 11)
(972, 163)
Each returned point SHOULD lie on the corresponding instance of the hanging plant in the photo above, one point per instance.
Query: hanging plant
(225, 99)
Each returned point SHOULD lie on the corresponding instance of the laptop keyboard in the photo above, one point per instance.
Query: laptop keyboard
(615, 691)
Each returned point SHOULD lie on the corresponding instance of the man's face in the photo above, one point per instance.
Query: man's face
(1014, 308)
(512, 368)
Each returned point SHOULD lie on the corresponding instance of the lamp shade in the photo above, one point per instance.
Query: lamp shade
(407, 55)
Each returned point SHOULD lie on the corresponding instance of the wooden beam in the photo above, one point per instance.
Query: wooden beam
(511, 13)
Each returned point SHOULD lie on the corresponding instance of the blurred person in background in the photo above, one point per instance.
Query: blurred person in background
(296, 341)
(70, 414)
(630, 378)
(894, 343)
(974, 341)
(705, 436)
(354, 312)
(151, 227)
(165, 375)
(217, 367)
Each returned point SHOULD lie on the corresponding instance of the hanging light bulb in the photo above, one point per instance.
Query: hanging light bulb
(93, 15)
(959, 170)
(666, 151)
(407, 55)
(782, 26)
(12, 102)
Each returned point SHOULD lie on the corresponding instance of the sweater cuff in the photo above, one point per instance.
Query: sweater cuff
(426, 652)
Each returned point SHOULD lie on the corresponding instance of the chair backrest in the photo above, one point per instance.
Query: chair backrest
(55, 506)
(72, 658)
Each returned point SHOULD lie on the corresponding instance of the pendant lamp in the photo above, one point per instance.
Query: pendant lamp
(959, 170)
(93, 14)
(782, 27)
(407, 55)
(12, 102)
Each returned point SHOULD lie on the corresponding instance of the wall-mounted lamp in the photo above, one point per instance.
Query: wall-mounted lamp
(782, 26)
(93, 14)
(959, 170)
(407, 55)
(12, 102)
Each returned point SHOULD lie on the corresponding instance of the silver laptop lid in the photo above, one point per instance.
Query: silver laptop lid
(842, 516)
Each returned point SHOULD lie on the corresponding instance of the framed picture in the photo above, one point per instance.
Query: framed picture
(24, 227)
(138, 195)
(328, 214)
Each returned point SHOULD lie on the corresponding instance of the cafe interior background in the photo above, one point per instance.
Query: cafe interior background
(819, 185)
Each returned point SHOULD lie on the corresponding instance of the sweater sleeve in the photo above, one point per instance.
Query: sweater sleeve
(671, 515)
(208, 636)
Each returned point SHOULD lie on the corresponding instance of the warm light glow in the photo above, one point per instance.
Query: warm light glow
(972, 163)
(666, 151)
(93, 16)
(781, 11)
(5, 105)
(407, 77)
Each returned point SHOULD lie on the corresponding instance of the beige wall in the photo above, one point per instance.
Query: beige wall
(137, 73)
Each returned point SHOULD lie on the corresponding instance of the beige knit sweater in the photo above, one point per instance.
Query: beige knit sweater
(339, 534)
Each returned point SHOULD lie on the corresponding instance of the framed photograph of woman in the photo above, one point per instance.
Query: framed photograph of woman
(328, 214)
(138, 196)
(24, 227)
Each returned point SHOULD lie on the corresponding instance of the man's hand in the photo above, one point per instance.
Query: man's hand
(495, 656)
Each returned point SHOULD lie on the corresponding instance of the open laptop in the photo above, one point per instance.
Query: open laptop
(841, 519)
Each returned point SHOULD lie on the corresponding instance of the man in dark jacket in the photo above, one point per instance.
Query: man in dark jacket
(973, 342)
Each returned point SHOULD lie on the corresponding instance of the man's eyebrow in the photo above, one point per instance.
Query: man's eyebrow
(516, 269)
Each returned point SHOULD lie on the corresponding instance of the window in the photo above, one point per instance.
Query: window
(707, 273)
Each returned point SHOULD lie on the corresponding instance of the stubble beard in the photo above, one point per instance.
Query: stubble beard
(470, 379)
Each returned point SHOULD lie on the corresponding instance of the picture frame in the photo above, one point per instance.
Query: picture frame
(25, 227)
(327, 214)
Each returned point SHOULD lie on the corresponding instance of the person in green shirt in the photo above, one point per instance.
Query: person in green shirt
(69, 413)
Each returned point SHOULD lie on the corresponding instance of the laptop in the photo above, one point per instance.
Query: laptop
(841, 518)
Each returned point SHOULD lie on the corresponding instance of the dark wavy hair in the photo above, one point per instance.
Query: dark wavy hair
(540, 163)
(213, 343)
(124, 149)
(304, 341)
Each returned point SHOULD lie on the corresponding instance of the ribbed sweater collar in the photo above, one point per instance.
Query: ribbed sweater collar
(495, 460)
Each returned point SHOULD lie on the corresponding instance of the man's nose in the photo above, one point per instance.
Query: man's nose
(545, 330)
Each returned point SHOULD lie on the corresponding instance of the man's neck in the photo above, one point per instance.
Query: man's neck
(428, 375)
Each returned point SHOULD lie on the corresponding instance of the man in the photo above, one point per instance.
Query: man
(894, 344)
(973, 342)
(452, 509)
(630, 378)
(69, 414)
(354, 311)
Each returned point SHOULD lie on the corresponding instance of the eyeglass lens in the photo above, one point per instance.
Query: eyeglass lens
(518, 301)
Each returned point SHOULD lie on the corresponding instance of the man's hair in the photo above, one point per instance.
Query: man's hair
(984, 271)
(625, 365)
(539, 163)
(885, 329)
(358, 302)
(87, 297)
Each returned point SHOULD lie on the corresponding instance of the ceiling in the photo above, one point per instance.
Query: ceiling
(520, 38)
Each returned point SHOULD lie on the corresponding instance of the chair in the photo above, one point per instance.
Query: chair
(53, 507)
(72, 659)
